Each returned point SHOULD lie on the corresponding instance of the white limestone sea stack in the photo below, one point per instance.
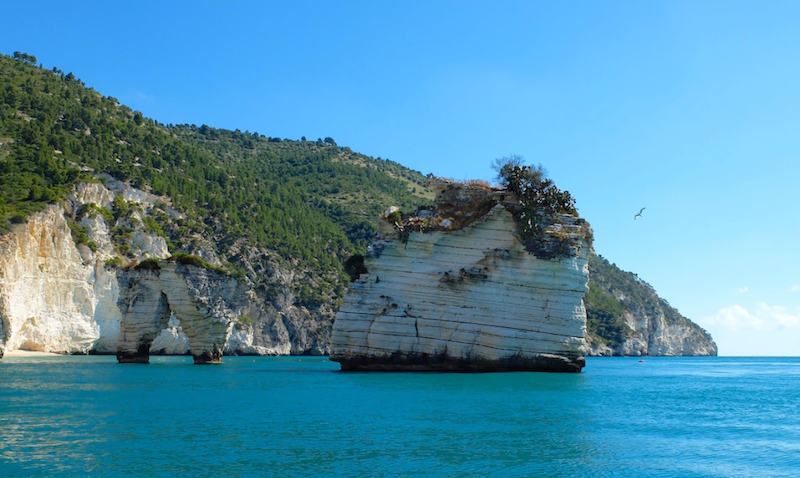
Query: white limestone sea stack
(459, 288)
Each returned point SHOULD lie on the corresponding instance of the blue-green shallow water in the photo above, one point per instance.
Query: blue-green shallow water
(291, 416)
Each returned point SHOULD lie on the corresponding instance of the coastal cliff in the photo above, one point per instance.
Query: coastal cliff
(206, 303)
(627, 317)
(456, 288)
(60, 276)
(51, 298)
(59, 290)
(91, 187)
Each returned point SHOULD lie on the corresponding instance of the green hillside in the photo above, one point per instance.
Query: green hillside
(309, 204)
(312, 202)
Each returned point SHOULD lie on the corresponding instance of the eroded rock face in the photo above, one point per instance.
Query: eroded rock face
(653, 326)
(471, 299)
(145, 312)
(654, 335)
(59, 296)
(205, 303)
(48, 298)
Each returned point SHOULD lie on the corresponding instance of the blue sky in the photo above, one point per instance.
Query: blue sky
(689, 109)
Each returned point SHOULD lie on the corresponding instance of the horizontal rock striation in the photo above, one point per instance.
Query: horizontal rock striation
(468, 299)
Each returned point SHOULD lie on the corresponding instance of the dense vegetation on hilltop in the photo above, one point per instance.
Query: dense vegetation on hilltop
(313, 202)
(349, 188)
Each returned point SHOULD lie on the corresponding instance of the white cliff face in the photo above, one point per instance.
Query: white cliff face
(653, 326)
(56, 295)
(471, 299)
(654, 335)
(261, 335)
(206, 304)
(171, 340)
(106, 313)
(47, 295)
(59, 296)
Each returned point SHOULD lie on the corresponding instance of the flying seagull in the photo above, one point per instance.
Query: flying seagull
(638, 214)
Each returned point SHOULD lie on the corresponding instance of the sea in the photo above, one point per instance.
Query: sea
(77, 416)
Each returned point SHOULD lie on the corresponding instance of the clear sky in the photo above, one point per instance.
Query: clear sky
(690, 109)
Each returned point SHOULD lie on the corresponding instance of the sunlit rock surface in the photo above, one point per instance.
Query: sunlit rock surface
(48, 295)
(468, 299)
(205, 303)
(652, 334)
(59, 296)
(651, 326)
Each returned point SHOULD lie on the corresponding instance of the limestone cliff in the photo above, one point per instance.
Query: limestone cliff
(205, 302)
(60, 296)
(636, 319)
(59, 293)
(50, 299)
(456, 288)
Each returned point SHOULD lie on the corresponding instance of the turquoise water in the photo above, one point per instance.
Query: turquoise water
(300, 416)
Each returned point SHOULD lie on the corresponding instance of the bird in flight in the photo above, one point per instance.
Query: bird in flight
(638, 214)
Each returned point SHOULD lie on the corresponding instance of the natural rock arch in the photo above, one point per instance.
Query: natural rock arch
(194, 294)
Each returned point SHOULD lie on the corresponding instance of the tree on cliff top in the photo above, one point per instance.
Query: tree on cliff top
(531, 185)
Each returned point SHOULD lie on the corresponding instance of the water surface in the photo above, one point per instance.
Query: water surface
(301, 416)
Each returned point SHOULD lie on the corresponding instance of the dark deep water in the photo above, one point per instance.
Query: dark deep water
(300, 416)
